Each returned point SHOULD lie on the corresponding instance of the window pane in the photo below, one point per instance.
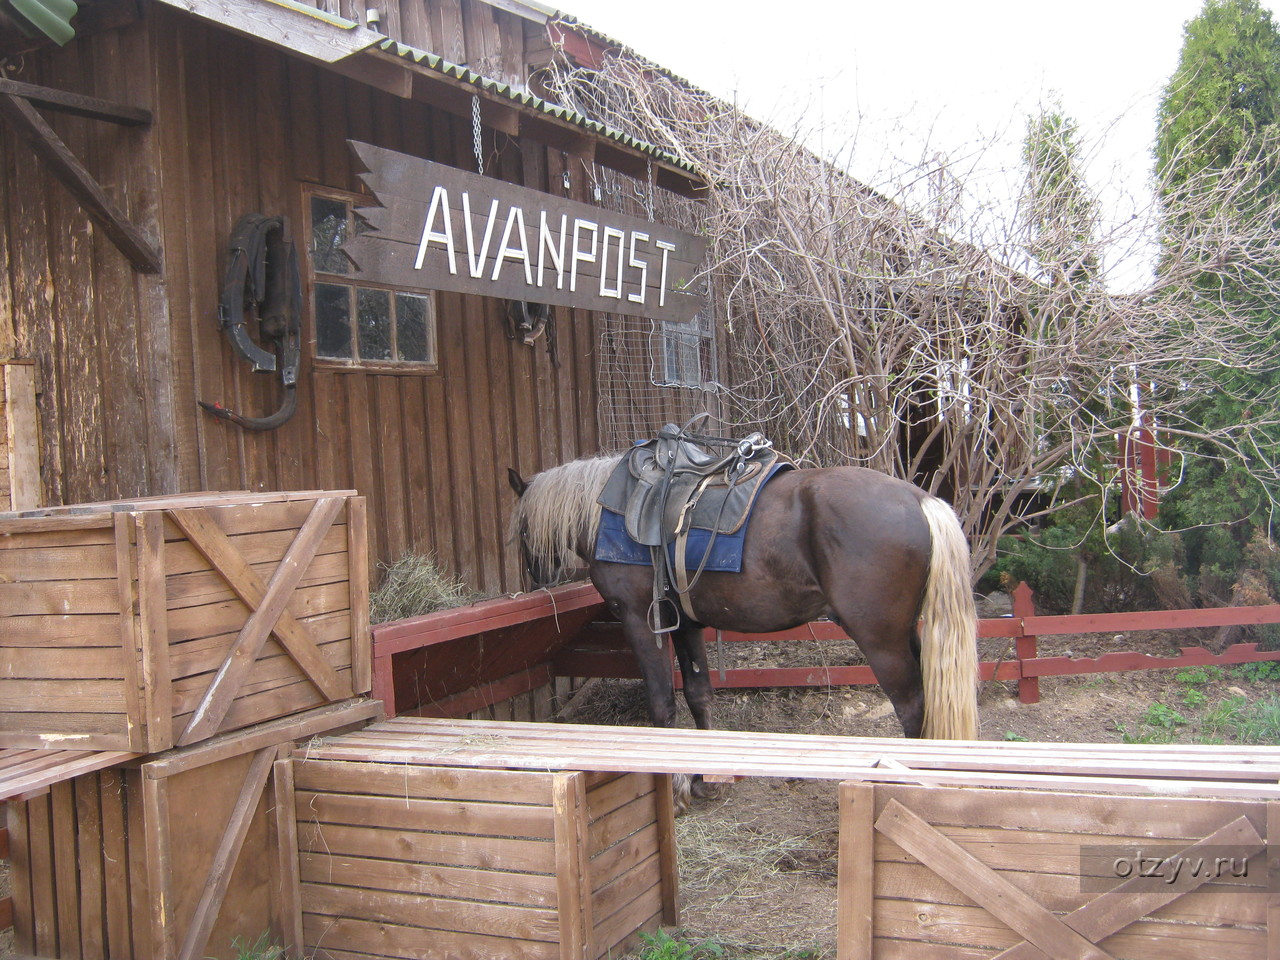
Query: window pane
(412, 315)
(333, 320)
(374, 313)
(328, 231)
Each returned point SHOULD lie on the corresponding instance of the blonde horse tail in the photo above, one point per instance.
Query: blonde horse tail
(948, 631)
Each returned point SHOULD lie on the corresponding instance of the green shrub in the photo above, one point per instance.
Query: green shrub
(1118, 562)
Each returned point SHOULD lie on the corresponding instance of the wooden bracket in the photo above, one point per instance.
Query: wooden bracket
(77, 104)
(270, 616)
(33, 128)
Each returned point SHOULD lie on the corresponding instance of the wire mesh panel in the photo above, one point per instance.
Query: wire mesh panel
(653, 372)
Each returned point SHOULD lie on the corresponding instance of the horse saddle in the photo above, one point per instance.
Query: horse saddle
(666, 485)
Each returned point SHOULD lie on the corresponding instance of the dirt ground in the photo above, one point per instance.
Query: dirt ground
(758, 866)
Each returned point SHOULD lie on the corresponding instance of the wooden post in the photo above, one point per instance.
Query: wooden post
(667, 852)
(1025, 646)
(855, 889)
(573, 869)
(1272, 853)
(384, 683)
(22, 434)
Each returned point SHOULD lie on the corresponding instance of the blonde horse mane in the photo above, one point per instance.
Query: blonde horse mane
(558, 514)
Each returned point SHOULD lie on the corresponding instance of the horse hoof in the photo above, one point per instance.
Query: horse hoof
(701, 790)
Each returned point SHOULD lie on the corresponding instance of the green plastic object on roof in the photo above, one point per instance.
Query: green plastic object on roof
(49, 17)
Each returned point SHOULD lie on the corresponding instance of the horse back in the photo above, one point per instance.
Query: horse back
(850, 518)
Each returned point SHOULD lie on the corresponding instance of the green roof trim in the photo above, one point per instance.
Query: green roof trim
(525, 98)
(316, 13)
(52, 18)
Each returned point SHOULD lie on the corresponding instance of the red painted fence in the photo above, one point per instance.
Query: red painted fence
(600, 650)
(464, 660)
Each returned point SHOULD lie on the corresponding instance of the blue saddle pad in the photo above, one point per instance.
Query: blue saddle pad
(615, 546)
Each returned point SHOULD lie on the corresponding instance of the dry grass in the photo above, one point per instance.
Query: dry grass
(415, 585)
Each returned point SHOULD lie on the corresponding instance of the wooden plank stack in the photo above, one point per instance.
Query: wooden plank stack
(404, 859)
(156, 623)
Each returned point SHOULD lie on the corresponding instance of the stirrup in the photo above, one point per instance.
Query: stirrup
(654, 613)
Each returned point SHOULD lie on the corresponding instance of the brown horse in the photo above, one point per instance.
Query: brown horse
(879, 556)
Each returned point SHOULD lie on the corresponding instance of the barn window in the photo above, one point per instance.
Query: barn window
(358, 322)
(688, 352)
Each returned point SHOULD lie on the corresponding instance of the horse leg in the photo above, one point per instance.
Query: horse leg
(893, 653)
(691, 651)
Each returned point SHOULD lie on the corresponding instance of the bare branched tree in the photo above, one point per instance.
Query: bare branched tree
(866, 330)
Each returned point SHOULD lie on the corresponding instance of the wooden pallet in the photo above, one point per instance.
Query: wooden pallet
(174, 857)
(142, 625)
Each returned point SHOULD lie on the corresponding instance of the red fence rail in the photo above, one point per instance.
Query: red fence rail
(467, 659)
(600, 651)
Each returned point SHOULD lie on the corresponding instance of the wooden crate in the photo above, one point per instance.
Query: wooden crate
(407, 860)
(144, 625)
(179, 857)
(956, 873)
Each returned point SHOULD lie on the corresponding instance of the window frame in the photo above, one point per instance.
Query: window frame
(689, 334)
(314, 277)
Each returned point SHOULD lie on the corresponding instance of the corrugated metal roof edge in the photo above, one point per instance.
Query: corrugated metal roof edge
(523, 97)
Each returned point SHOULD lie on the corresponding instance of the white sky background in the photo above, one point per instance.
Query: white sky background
(900, 82)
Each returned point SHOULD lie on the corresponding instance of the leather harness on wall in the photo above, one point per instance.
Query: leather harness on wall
(263, 279)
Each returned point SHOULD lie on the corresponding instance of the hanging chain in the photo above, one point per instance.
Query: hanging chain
(649, 177)
(475, 132)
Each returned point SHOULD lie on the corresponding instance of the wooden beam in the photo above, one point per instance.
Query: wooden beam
(77, 104)
(109, 218)
(294, 26)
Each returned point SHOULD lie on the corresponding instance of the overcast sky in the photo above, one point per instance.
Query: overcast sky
(905, 80)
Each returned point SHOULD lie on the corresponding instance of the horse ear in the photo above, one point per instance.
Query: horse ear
(517, 483)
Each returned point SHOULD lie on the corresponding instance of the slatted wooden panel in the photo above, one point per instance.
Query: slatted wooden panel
(407, 860)
(163, 622)
(175, 858)
(969, 873)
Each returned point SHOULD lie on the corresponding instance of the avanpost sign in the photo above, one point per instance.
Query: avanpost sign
(440, 228)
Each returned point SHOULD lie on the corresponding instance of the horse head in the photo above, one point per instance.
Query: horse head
(537, 570)
(556, 517)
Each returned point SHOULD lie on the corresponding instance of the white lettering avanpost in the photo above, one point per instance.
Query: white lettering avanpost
(550, 247)
(615, 292)
(641, 265)
(666, 248)
(545, 245)
(514, 215)
(477, 262)
(439, 202)
(577, 254)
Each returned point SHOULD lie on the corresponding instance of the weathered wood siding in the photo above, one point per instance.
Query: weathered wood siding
(124, 357)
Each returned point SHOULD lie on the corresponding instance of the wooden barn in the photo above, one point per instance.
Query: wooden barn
(545, 320)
